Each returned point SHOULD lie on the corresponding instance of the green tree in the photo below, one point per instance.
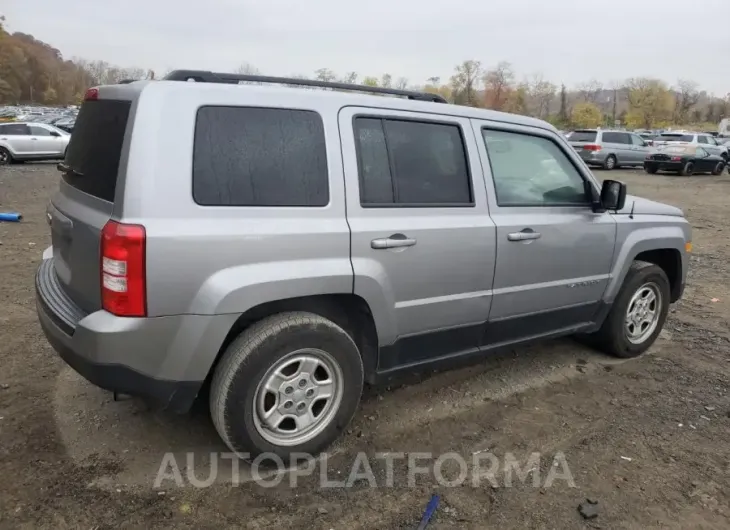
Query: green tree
(650, 102)
(586, 115)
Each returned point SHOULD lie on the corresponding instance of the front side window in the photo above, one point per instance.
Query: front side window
(39, 131)
(532, 171)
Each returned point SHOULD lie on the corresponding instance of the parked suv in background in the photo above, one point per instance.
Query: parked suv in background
(704, 140)
(286, 246)
(31, 141)
(609, 149)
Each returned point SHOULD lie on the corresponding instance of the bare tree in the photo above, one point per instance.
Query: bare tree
(386, 81)
(325, 74)
(434, 81)
(402, 83)
(246, 68)
(541, 95)
(498, 85)
(590, 92)
(350, 78)
(687, 96)
(464, 82)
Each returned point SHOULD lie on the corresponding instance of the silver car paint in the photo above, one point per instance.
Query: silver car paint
(625, 154)
(208, 265)
(27, 147)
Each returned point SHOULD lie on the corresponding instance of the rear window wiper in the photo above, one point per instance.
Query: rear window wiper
(65, 168)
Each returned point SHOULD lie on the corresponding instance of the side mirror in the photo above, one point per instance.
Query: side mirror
(613, 195)
(54, 133)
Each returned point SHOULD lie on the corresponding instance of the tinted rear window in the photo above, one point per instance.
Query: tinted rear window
(582, 136)
(96, 147)
(245, 156)
(616, 138)
(675, 138)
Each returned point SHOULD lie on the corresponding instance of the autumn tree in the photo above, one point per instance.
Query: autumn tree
(650, 102)
(464, 82)
(586, 115)
(498, 85)
(590, 92)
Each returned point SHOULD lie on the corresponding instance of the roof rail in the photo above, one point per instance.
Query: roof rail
(202, 76)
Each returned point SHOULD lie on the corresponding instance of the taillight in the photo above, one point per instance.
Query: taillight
(592, 147)
(676, 159)
(91, 94)
(123, 275)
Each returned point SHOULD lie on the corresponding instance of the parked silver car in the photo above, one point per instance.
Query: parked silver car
(31, 141)
(705, 140)
(610, 149)
(286, 246)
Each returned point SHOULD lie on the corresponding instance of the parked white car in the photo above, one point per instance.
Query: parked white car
(32, 141)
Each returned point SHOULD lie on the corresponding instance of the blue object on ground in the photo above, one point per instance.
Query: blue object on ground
(12, 217)
(430, 510)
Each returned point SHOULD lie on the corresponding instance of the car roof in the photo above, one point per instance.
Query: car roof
(342, 97)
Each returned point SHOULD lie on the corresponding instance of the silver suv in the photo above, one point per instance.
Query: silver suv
(610, 149)
(31, 141)
(271, 249)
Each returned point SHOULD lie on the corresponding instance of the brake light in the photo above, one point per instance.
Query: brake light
(676, 159)
(123, 270)
(91, 94)
(592, 147)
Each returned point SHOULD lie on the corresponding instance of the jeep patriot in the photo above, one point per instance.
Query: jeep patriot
(272, 248)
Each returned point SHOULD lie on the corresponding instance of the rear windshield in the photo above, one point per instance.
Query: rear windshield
(675, 138)
(582, 136)
(95, 148)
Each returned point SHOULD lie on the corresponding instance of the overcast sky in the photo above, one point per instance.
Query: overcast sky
(566, 40)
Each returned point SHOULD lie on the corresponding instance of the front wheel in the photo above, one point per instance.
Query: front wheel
(288, 384)
(638, 313)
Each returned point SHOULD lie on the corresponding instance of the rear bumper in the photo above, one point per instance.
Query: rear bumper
(593, 157)
(663, 166)
(162, 359)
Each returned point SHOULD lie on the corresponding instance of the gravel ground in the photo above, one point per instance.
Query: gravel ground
(647, 438)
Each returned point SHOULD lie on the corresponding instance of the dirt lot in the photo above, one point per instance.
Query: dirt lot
(647, 438)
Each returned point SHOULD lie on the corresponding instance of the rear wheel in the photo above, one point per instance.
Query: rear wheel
(289, 384)
(638, 313)
(5, 156)
(687, 170)
(719, 168)
(609, 163)
(651, 169)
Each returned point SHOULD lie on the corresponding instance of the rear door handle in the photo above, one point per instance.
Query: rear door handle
(394, 241)
(525, 235)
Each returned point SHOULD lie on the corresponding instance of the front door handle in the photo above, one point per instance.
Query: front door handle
(394, 241)
(525, 235)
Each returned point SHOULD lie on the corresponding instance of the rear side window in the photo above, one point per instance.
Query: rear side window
(15, 129)
(702, 140)
(245, 156)
(95, 149)
(675, 138)
(582, 136)
(405, 162)
(615, 138)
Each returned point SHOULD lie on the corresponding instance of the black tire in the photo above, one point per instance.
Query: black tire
(688, 170)
(610, 163)
(5, 157)
(248, 359)
(651, 169)
(612, 337)
(719, 168)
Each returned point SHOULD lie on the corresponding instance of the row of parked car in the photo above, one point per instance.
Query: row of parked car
(683, 152)
(63, 118)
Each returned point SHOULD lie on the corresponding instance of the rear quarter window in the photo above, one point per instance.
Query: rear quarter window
(246, 156)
